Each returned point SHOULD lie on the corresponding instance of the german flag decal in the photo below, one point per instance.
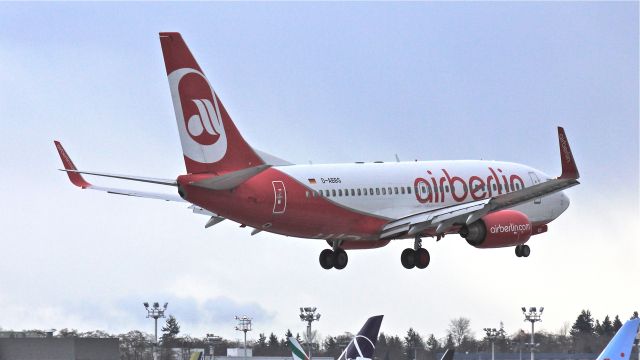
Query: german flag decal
(312, 181)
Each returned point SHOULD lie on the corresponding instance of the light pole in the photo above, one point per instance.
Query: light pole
(211, 340)
(244, 325)
(532, 316)
(492, 335)
(155, 312)
(308, 315)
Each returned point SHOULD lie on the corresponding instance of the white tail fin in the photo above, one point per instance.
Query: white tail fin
(297, 352)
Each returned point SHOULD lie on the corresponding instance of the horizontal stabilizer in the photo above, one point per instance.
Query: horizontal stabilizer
(126, 177)
(230, 180)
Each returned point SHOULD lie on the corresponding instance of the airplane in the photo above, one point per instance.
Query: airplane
(361, 347)
(619, 348)
(491, 204)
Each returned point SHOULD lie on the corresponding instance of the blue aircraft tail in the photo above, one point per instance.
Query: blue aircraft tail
(363, 345)
(619, 348)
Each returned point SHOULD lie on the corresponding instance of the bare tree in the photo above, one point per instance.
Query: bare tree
(460, 330)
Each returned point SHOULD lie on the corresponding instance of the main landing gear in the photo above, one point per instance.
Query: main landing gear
(417, 257)
(523, 251)
(336, 258)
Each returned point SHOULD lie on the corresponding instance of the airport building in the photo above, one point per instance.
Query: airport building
(22, 347)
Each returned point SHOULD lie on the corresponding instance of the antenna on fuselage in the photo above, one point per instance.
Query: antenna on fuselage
(397, 158)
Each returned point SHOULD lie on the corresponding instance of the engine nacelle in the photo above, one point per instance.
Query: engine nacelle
(499, 229)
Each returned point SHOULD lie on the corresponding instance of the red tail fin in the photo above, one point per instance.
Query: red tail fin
(211, 143)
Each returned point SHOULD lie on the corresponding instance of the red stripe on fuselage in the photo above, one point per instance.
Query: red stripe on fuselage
(252, 204)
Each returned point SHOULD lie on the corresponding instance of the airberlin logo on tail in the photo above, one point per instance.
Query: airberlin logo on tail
(436, 189)
(200, 122)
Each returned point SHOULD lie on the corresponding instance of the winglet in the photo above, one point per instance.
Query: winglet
(76, 178)
(569, 168)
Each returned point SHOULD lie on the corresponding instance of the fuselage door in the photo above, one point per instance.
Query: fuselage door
(535, 180)
(280, 197)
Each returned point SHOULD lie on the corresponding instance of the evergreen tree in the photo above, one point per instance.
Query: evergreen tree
(170, 330)
(449, 342)
(274, 346)
(617, 324)
(260, 347)
(635, 315)
(607, 326)
(583, 324)
(432, 345)
(413, 343)
(598, 329)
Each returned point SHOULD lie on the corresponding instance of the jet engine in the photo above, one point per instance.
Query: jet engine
(499, 229)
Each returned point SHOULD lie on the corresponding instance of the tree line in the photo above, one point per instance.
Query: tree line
(585, 335)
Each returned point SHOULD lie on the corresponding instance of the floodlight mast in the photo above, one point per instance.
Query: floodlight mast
(244, 325)
(308, 315)
(155, 312)
(492, 335)
(532, 316)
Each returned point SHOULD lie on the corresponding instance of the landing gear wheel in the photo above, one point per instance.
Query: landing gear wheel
(340, 259)
(327, 259)
(523, 251)
(408, 258)
(422, 258)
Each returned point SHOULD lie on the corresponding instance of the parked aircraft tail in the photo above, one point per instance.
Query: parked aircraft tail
(363, 344)
(297, 352)
(619, 348)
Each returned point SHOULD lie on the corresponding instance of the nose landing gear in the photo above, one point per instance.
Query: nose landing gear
(523, 250)
(417, 257)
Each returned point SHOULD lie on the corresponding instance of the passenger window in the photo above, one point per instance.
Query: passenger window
(377, 191)
(353, 192)
(346, 192)
(307, 193)
(339, 192)
(358, 192)
(494, 187)
(446, 188)
(333, 193)
(395, 190)
(517, 186)
(384, 191)
(435, 188)
(371, 191)
(389, 190)
(402, 190)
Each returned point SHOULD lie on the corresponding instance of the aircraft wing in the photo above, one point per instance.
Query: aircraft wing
(442, 219)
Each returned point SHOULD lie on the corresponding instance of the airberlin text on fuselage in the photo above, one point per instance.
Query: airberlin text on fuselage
(431, 189)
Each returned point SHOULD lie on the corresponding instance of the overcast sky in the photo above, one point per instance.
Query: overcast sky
(321, 82)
